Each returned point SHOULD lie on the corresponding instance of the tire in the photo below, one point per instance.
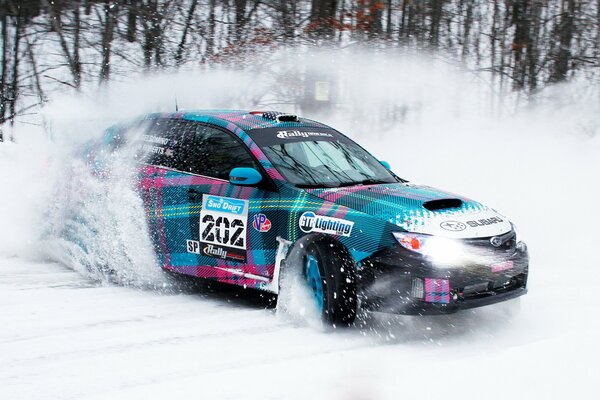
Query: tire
(329, 271)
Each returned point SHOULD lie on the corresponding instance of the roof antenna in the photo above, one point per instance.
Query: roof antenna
(176, 105)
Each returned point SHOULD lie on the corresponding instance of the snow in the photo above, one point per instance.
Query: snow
(68, 333)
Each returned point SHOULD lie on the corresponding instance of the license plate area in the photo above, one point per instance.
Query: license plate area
(476, 288)
(502, 266)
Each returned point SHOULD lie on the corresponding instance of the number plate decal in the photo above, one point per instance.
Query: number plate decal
(503, 266)
(223, 227)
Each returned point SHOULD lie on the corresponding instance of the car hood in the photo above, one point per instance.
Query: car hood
(420, 209)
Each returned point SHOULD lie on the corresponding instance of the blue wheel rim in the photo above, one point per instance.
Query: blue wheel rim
(313, 277)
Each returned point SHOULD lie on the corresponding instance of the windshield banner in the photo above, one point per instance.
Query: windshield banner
(272, 136)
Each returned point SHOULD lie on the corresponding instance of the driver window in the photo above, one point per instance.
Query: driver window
(212, 152)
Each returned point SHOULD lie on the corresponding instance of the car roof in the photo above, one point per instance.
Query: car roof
(241, 119)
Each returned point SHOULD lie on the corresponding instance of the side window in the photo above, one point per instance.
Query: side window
(212, 152)
(161, 143)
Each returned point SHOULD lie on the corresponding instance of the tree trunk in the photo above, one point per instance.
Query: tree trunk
(210, 40)
(288, 18)
(132, 20)
(88, 7)
(76, 44)
(494, 38)
(598, 32)
(520, 42)
(110, 17)
(467, 30)
(532, 47)
(402, 31)
(436, 18)
(388, 20)
(3, 67)
(374, 19)
(14, 87)
(322, 15)
(186, 28)
(240, 19)
(55, 17)
(565, 35)
(149, 15)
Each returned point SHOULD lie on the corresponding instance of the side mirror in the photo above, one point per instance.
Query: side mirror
(386, 165)
(244, 176)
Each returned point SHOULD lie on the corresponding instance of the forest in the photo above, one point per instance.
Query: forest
(68, 45)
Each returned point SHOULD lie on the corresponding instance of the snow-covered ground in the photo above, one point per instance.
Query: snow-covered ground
(64, 335)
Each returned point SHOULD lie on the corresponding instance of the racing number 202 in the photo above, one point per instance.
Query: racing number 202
(223, 231)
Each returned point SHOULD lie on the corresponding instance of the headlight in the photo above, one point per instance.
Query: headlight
(521, 246)
(444, 252)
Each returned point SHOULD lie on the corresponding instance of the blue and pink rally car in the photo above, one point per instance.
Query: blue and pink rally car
(242, 197)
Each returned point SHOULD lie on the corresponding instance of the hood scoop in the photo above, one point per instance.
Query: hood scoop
(442, 204)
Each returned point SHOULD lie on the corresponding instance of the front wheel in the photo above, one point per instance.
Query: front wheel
(327, 269)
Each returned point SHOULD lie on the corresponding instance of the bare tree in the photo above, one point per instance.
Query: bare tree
(72, 57)
(565, 29)
(3, 65)
(14, 87)
(322, 16)
(184, 34)
(111, 10)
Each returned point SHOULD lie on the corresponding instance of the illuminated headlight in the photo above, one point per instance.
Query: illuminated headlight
(442, 251)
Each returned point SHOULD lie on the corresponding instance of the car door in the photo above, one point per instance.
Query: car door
(231, 233)
(164, 189)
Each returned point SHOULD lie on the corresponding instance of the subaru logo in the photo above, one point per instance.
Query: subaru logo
(496, 241)
(454, 226)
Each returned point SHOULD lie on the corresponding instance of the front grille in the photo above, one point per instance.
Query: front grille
(490, 288)
(485, 247)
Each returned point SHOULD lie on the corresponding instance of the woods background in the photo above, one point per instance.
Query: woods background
(48, 46)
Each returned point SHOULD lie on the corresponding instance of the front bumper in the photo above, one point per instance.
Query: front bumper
(399, 281)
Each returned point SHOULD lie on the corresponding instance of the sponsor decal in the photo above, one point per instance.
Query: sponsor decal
(155, 140)
(454, 226)
(503, 266)
(157, 145)
(193, 246)
(485, 221)
(299, 134)
(225, 205)
(261, 223)
(220, 252)
(223, 227)
(158, 150)
(310, 222)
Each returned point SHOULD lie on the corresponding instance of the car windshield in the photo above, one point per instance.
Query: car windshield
(331, 163)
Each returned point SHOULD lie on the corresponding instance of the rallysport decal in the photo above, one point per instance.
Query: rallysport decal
(261, 223)
(223, 226)
(310, 222)
(302, 134)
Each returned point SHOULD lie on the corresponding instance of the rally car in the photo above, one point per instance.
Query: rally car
(243, 197)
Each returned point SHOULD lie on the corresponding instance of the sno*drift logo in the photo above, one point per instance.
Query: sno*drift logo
(310, 222)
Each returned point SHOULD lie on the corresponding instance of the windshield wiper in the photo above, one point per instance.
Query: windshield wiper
(364, 182)
(315, 186)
